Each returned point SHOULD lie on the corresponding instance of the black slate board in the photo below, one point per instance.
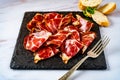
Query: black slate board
(23, 59)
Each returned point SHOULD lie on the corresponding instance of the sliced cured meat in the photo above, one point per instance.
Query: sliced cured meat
(52, 21)
(74, 32)
(52, 15)
(69, 49)
(44, 53)
(75, 22)
(48, 21)
(51, 32)
(38, 17)
(40, 26)
(85, 24)
(58, 38)
(32, 24)
(65, 20)
(87, 39)
(53, 24)
(72, 45)
(34, 40)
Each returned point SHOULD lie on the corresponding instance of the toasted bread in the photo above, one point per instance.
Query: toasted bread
(82, 4)
(100, 19)
(108, 8)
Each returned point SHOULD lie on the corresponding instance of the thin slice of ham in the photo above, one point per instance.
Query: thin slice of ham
(32, 23)
(58, 38)
(53, 24)
(87, 39)
(52, 21)
(74, 32)
(52, 15)
(69, 49)
(65, 21)
(48, 21)
(34, 40)
(72, 45)
(85, 24)
(44, 53)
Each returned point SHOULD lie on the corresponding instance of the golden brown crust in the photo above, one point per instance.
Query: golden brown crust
(82, 4)
(108, 8)
(100, 19)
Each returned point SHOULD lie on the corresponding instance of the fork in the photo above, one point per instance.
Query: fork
(93, 53)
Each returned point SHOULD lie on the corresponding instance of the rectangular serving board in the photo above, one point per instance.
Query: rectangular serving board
(23, 59)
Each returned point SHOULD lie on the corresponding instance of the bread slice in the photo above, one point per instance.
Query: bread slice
(108, 8)
(82, 4)
(100, 19)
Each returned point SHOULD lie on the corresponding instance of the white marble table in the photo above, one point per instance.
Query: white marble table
(11, 15)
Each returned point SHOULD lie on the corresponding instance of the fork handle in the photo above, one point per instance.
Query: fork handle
(66, 75)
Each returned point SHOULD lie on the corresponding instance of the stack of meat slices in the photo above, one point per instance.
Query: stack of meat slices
(51, 33)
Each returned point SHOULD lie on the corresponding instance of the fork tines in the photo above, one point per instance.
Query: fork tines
(100, 45)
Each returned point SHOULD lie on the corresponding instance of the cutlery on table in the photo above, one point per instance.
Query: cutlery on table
(93, 53)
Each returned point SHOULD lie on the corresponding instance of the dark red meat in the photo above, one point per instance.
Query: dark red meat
(87, 39)
(45, 52)
(34, 40)
(58, 38)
